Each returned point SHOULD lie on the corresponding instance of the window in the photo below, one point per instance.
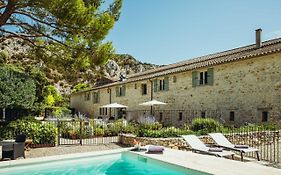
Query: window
(203, 114)
(161, 84)
(120, 91)
(203, 78)
(87, 96)
(231, 116)
(96, 97)
(180, 116)
(206, 77)
(174, 79)
(103, 111)
(264, 116)
(161, 116)
(144, 89)
(136, 86)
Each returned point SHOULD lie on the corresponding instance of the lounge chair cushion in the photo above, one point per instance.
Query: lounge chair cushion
(241, 146)
(153, 148)
(216, 149)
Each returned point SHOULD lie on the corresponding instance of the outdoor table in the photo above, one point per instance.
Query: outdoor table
(27, 143)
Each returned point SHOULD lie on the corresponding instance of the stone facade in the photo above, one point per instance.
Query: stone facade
(248, 89)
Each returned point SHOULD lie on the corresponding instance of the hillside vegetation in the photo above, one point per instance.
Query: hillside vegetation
(65, 74)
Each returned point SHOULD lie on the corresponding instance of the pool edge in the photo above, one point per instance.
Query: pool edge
(37, 160)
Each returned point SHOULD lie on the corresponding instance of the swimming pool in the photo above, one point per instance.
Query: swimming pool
(124, 163)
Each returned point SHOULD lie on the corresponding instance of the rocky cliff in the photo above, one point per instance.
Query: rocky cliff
(122, 64)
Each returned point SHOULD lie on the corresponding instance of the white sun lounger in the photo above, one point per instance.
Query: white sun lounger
(222, 141)
(198, 146)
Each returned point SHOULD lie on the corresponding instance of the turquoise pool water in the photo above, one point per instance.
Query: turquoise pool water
(114, 164)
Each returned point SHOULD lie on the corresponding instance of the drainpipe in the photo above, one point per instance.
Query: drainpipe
(109, 91)
(151, 94)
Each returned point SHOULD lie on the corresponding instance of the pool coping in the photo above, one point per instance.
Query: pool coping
(211, 164)
(38, 160)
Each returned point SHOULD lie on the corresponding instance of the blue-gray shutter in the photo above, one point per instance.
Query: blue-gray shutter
(210, 76)
(123, 90)
(166, 83)
(117, 91)
(98, 96)
(155, 85)
(194, 78)
(94, 97)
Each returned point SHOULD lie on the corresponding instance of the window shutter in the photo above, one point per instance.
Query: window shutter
(210, 76)
(117, 91)
(94, 97)
(123, 90)
(155, 86)
(98, 96)
(166, 83)
(194, 78)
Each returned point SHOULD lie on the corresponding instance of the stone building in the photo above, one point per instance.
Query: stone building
(235, 86)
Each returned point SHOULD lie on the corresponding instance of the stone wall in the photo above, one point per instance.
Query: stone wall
(246, 87)
(254, 139)
(174, 143)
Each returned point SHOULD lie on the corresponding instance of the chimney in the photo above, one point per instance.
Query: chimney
(258, 38)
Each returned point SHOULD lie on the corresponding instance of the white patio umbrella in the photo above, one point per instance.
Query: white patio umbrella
(114, 105)
(152, 103)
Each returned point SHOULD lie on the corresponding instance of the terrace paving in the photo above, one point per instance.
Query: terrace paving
(60, 150)
(212, 164)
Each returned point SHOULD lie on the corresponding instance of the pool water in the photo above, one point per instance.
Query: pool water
(114, 164)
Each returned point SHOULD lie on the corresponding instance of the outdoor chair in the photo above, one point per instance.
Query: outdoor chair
(222, 141)
(15, 149)
(198, 146)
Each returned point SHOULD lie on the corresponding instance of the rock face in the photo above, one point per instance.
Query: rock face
(125, 64)
(121, 64)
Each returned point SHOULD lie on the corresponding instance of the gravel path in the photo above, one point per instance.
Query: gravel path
(51, 151)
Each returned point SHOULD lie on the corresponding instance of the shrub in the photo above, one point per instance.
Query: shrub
(4, 55)
(163, 132)
(153, 126)
(38, 132)
(119, 126)
(99, 132)
(80, 87)
(205, 125)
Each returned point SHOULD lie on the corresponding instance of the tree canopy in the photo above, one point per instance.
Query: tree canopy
(17, 89)
(74, 28)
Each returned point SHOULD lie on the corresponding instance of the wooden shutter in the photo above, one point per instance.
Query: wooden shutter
(117, 91)
(210, 76)
(155, 85)
(94, 97)
(166, 83)
(123, 90)
(98, 96)
(194, 78)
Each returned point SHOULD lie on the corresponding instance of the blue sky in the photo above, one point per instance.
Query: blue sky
(168, 31)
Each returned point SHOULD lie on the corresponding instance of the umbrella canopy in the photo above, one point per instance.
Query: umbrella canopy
(152, 103)
(114, 105)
